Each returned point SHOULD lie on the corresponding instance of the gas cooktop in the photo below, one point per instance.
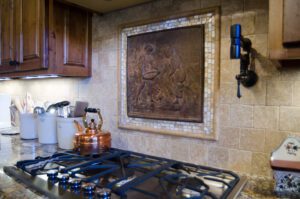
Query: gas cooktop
(123, 174)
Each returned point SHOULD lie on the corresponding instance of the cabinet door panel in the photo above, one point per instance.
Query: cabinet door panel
(75, 37)
(7, 48)
(291, 24)
(30, 26)
(32, 38)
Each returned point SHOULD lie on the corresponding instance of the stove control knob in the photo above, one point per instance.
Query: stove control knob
(75, 183)
(52, 174)
(88, 189)
(63, 178)
(103, 193)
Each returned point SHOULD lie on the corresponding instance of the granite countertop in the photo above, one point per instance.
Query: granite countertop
(12, 149)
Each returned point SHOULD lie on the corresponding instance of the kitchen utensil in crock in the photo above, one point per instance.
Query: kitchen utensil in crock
(54, 107)
(38, 110)
(93, 140)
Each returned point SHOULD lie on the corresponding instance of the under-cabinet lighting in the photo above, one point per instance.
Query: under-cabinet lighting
(5, 79)
(40, 77)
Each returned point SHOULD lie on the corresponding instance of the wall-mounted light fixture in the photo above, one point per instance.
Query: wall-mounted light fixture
(247, 77)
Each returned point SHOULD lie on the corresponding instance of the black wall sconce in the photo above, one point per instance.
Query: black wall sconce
(247, 77)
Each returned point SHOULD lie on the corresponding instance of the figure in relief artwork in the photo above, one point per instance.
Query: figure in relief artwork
(165, 75)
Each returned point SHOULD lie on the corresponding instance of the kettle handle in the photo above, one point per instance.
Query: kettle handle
(92, 110)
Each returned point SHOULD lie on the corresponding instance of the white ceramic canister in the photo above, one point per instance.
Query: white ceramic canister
(28, 128)
(66, 130)
(46, 127)
(5, 120)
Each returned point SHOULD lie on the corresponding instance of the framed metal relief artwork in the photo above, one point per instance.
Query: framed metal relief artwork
(168, 73)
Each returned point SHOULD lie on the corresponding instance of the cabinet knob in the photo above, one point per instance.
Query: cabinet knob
(14, 63)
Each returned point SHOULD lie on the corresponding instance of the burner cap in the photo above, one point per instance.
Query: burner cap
(88, 188)
(63, 178)
(52, 174)
(75, 183)
(103, 193)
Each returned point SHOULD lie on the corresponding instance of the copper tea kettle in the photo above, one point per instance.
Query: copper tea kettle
(93, 140)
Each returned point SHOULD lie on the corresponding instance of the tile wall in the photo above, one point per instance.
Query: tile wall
(248, 128)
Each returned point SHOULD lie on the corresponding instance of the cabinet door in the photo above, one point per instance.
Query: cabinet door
(291, 24)
(7, 34)
(73, 39)
(31, 38)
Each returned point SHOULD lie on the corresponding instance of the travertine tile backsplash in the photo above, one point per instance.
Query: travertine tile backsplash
(248, 128)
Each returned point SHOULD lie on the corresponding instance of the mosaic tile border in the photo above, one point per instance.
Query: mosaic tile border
(186, 129)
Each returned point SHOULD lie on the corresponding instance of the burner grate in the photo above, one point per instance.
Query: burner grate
(132, 175)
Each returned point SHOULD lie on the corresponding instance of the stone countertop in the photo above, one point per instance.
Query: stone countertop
(12, 149)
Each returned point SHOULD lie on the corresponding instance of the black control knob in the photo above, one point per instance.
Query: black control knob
(52, 174)
(63, 178)
(75, 183)
(88, 189)
(103, 193)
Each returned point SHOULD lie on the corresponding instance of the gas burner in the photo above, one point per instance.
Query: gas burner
(63, 178)
(75, 183)
(103, 193)
(124, 174)
(188, 193)
(52, 174)
(88, 189)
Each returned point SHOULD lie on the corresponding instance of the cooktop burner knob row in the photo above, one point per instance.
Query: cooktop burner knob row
(75, 184)
(52, 174)
(63, 178)
(88, 189)
(103, 193)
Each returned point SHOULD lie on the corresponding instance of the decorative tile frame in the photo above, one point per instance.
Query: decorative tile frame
(206, 130)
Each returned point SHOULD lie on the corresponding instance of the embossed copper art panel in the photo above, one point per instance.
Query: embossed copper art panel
(165, 74)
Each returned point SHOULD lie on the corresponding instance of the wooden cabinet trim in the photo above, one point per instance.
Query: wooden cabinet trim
(276, 49)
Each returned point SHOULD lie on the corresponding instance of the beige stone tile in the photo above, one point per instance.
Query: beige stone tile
(108, 59)
(229, 69)
(266, 117)
(255, 95)
(225, 48)
(273, 140)
(261, 164)
(240, 160)
(188, 4)
(261, 22)
(260, 45)
(241, 115)
(237, 18)
(224, 115)
(225, 26)
(264, 67)
(210, 3)
(290, 74)
(218, 157)
(229, 137)
(231, 6)
(179, 149)
(256, 5)
(252, 140)
(248, 23)
(289, 118)
(198, 152)
(296, 93)
(279, 93)
(228, 93)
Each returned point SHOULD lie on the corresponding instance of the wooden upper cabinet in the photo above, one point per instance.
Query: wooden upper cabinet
(284, 30)
(73, 39)
(31, 36)
(7, 35)
(44, 37)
